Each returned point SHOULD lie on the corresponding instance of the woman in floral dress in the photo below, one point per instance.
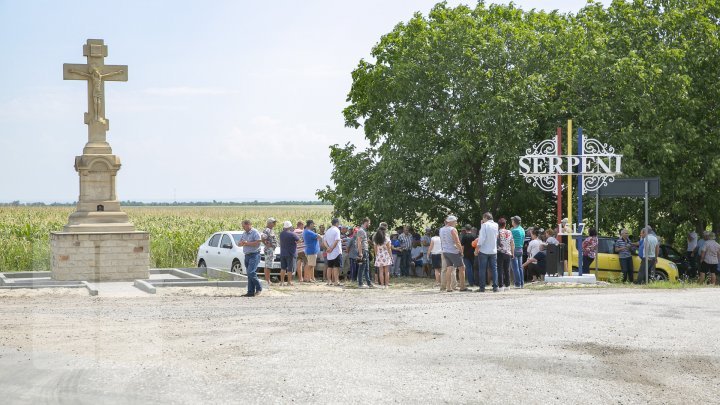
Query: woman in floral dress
(589, 248)
(383, 256)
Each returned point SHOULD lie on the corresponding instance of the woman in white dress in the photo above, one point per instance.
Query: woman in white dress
(435, 256)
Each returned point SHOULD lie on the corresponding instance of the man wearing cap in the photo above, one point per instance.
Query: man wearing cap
(288, 252)
(250, 241)
(452, 248)
(312, 248)
(334, 251)
(395, 247)
(270, 241)
(406, 244)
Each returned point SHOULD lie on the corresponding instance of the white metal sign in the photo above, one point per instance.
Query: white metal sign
(598, 164)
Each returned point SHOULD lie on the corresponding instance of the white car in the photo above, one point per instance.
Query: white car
(221, 251)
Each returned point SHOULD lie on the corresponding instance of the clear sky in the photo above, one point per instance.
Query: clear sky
(226, 100)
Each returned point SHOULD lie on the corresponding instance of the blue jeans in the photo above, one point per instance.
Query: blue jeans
(518, 273)
(484, 260)
(251, 262)
(364, 269)
(469, 275)
(395, 269)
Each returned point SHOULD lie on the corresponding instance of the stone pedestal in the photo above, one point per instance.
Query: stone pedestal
(100, 256)
(98, 209)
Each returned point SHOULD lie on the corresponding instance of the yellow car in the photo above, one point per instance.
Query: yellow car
(608, 263)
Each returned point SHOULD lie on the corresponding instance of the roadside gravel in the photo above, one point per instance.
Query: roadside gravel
(320, 344)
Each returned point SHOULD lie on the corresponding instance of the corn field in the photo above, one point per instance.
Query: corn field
(175, 232)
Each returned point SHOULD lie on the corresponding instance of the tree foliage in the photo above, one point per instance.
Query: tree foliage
(452, 99)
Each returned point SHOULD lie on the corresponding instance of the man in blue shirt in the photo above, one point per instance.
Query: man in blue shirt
(312, 245)
(250, 241)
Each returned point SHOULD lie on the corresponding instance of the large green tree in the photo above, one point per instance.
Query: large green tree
(451, 100)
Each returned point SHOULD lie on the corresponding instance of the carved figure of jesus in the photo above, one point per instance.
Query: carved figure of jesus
(97, 88)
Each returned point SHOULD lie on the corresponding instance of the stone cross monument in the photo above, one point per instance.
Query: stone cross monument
(99, 242)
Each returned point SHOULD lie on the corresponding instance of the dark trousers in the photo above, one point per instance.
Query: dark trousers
(469, 270)
(353, 269)
(626, 264)
(587, 261)
(650, 271)
(364, 269)
(405, 263)
(691, 264)
(503, 269)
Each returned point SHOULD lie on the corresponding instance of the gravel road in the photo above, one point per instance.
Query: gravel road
(328, 345)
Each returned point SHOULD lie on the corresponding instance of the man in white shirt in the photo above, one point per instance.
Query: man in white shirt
(486, 250)
(334, 251)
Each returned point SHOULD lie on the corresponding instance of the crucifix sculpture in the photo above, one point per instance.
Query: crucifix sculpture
(96, 73)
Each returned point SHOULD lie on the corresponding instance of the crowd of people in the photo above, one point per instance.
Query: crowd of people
(501, 251)
(703, 256)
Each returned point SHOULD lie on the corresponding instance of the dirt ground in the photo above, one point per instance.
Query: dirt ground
(317, 344)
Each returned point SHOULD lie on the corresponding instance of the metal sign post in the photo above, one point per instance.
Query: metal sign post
(645, 245)
(644, 187)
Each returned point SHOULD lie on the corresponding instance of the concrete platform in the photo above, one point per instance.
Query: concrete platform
(175, 277)
(584, 279)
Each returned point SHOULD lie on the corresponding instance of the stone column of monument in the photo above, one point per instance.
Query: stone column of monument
(99, 242)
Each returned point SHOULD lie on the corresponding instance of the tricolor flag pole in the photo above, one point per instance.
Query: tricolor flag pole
(558, 142)
(571, 245)
(580, 200)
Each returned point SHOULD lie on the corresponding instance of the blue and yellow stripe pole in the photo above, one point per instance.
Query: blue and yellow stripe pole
(580, 198)
(571, 244)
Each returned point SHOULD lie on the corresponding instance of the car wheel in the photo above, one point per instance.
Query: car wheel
(236, 266)
(660, 276)
(202, 263)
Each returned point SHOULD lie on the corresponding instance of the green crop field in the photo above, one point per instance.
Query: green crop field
(175, 232)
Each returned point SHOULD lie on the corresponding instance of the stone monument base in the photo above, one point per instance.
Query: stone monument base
(100, 256)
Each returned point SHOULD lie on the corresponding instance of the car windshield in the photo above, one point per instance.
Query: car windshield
(236, 237)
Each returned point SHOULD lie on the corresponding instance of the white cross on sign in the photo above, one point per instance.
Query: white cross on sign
(96, 73)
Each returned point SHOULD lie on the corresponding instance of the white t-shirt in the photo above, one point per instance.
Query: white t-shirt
(436, 245)
(332, 235)
(534, 247)
(692, 243)
(415, 252)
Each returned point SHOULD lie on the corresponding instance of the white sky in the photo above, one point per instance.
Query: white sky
(226, 100)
